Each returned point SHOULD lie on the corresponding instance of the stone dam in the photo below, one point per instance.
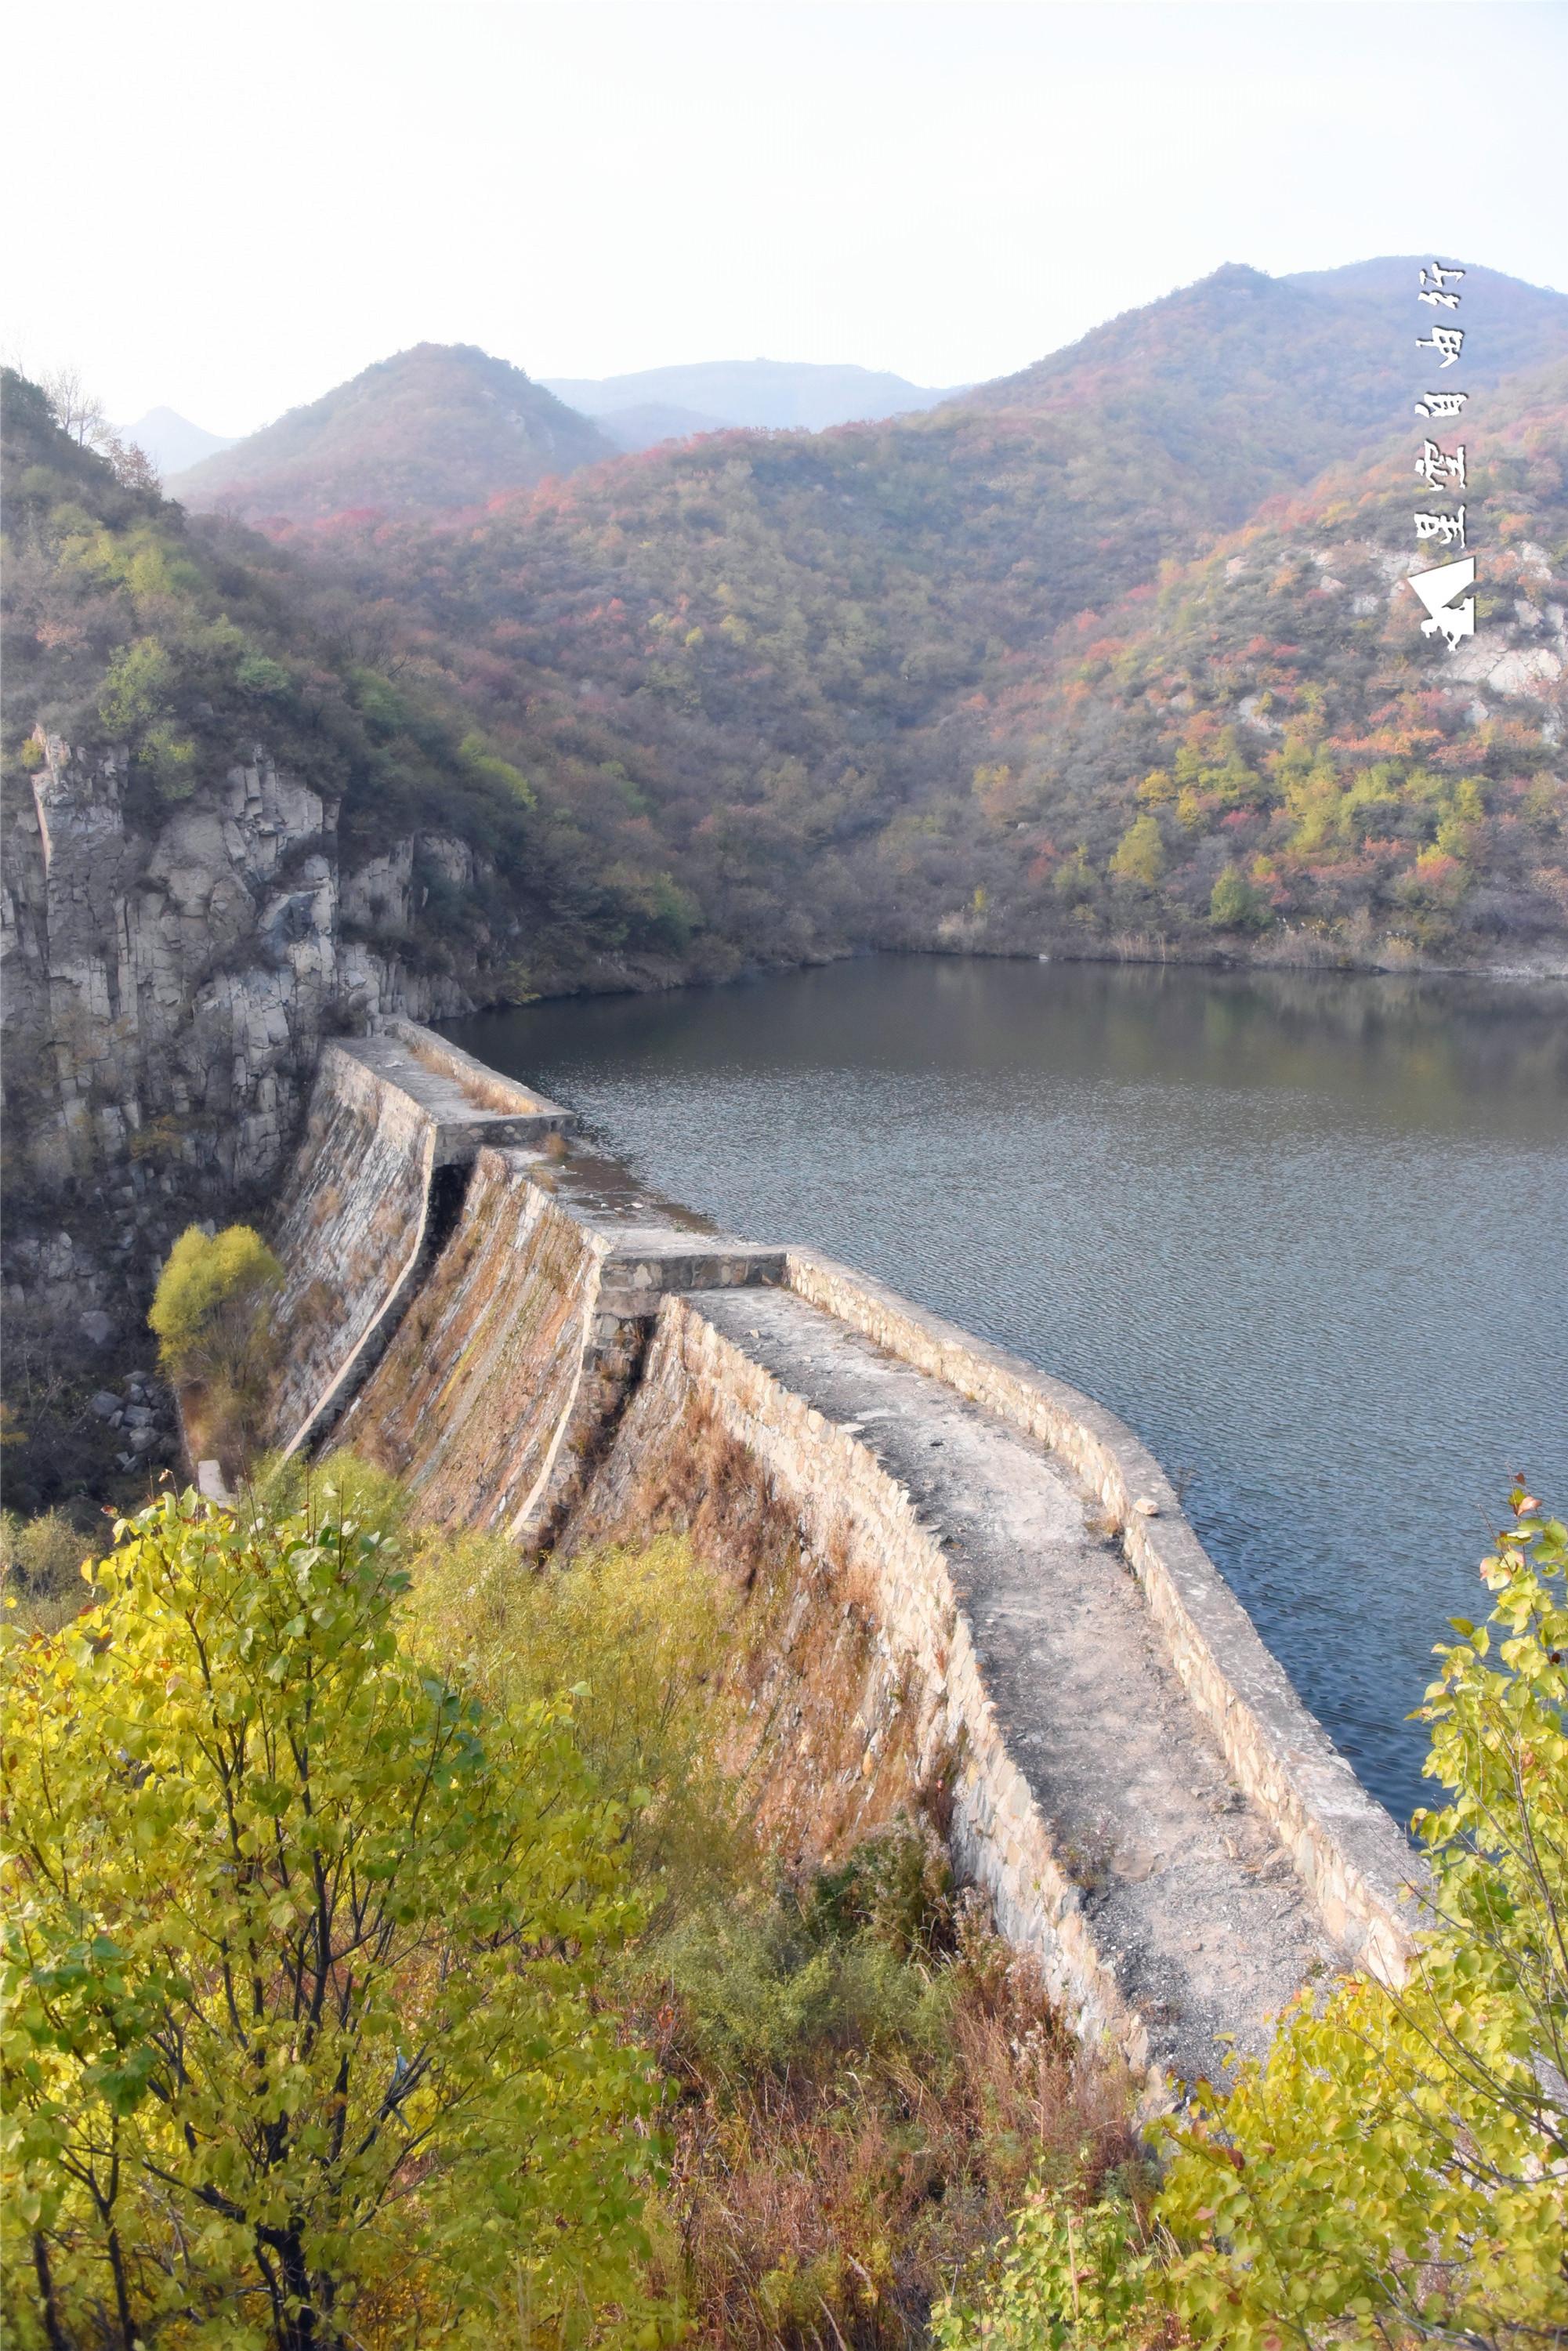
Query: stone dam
(965, 1588)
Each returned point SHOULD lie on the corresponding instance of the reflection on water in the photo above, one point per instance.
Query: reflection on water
(1307, 1235)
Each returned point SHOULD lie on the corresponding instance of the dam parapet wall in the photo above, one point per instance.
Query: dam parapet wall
(981, 1595)
(1343, 1843)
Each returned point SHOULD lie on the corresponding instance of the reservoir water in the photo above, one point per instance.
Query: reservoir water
(1307, 1234)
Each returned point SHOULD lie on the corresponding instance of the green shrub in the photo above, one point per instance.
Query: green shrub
(787, 1984)
(480, 762)
(344, 1486)
(210, 1291)
(136, 686)
(639, 1635)
(1074, 880)
(211, 1313)
(1234, 904)
(171, 758)
(1139, 855)
(896, 1885)
(1069, 2274)
(41, 1560)
(258, 674)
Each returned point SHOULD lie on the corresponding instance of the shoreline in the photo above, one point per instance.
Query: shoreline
(1148, 955)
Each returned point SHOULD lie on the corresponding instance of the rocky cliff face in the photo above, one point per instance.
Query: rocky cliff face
(168, 982)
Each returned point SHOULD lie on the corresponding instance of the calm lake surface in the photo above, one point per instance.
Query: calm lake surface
(1308, 1235)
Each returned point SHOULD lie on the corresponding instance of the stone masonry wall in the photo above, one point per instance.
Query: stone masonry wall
(350, 1220)
(472, 1400)
(554, 1376)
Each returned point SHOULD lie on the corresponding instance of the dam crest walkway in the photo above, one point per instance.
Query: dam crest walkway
(1150, 1806)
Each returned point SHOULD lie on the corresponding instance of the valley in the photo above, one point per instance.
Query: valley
(746, 1806)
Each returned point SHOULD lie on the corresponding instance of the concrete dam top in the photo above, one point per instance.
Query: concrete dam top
(990, 1583)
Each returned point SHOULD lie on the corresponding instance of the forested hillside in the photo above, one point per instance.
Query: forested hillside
(1264, 745)
(126, 627)
(919, 682)
(1260, 383)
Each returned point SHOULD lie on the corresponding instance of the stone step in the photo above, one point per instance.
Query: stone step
(632, 1282)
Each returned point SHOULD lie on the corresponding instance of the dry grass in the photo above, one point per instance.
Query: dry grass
(41, 1560)
(861, 2078)
(824, 2203)
(325, 1206)
(854, 2110)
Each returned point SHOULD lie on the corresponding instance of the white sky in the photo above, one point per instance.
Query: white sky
(231, 208)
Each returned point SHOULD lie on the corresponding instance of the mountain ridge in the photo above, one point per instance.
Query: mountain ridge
(437, 425)
(1255, 384)
(646, 423)
(1288, 375)
(757, 395)
(172, 442)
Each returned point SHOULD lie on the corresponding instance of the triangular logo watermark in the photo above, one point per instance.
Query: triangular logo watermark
(1436, 589)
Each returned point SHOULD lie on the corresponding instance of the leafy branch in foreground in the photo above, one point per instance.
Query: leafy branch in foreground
(1396, 2172)
(301, 2050)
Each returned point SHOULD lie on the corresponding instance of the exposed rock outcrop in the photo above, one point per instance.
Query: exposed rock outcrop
(169, 971)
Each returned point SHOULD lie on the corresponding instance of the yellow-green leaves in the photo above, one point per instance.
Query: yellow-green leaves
(136, 687)
(1069, 2276)
(1140, 854)
(485, 764)
(300, 1962)
(207, 1284)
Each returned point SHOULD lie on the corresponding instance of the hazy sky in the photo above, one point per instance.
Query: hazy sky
(230, 208)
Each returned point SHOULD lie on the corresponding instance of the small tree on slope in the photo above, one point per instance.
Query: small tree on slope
(300, 2049)
(211, 1313)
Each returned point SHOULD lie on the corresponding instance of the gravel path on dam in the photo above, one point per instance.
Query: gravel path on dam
(1190, 1897)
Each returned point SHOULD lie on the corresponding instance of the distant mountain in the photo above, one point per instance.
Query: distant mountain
(172, 442)
(997, 673)
(1262, 380)
(439, 427)
(1097, 657)
(649, 422)
(761, 393)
